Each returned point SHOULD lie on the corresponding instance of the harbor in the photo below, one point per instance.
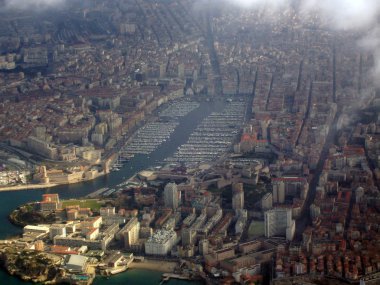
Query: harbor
(149, 137)
(167, 276)
(179, 109)
(210, 139)
(213, 136)
(111, 183)
(153, 134)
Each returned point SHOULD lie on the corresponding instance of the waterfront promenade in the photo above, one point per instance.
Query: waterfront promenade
(27, 187)
(156, 265)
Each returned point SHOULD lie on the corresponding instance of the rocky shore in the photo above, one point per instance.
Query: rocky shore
(27, 215)
(30, 265)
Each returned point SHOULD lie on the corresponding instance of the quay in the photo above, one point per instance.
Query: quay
(166, 277)
(97, 192)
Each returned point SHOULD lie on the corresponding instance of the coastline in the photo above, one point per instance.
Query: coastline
(28, 187)
(154, 265)
(37, 186)
(145, 273)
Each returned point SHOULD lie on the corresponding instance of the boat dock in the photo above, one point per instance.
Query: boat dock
(213, 137)
(166, 277)
(148, 138)
(97, 193)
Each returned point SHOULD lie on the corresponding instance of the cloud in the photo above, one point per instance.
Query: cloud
(360, 16)
(370, 42)
(345, 14)
(258, 3)
(33, 4)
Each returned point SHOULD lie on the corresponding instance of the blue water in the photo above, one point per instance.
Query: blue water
(130, 277)
(11, 200)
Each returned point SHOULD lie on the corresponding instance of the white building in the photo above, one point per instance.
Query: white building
(278, 192)
(237, 196)
(241, 222)
(90, 233)
(279, 222)
(161, 242)
(131, 232)
(315, 211)
(211, 222)
(267, 202)
(203, 246)
(57, 230)
(188, 236)
(76, 263)
(43, 229)
(359, 193)
(289, 186)
(95, 222)
(171, 196)
(107, 211)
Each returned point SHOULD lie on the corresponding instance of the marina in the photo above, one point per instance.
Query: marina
(179, 109)
(109, 185)
(106, 191)
(213, 136)
(149, 137)
(153, 134)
